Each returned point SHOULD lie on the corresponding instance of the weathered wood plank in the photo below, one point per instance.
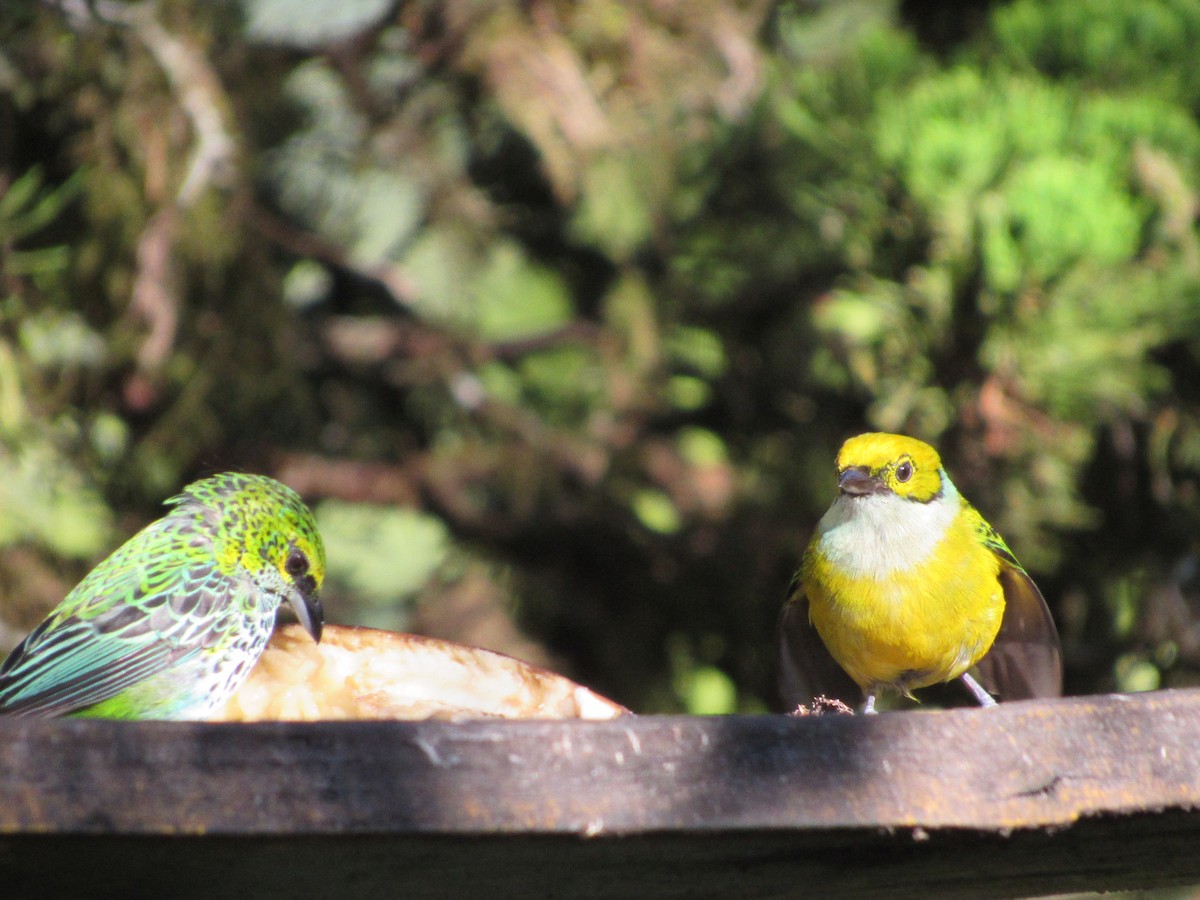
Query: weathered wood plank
(1035, 797)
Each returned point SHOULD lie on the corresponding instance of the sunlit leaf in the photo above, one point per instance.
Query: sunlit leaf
(310, 23)
(383, 554)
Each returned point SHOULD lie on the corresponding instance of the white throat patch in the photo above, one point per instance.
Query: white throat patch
(877, 534)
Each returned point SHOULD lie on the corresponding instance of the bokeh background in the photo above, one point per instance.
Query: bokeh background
(557, 312)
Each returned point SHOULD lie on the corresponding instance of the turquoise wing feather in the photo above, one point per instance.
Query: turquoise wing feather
(151, 607)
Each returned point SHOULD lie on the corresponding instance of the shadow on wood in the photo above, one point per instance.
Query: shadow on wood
(1027, 798)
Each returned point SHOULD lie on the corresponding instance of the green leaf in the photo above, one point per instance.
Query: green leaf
(27, 207)
(710, 692)
(516, 298)
(687, 392)
(1135, 674)
(306, 283)
(310, 23)
(382, 553)
(60, 340)
(699, 349)
(656, 511)
(614, 210)
(443, 263)
(44, 499)
(1064, 210)
(564, 383)
(701, 447)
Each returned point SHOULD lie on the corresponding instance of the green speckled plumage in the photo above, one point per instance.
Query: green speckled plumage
(170, 624)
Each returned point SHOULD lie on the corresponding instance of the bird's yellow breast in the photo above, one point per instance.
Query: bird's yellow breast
(900, 613)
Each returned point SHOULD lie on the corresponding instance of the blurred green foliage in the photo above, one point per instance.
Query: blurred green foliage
(558, 312)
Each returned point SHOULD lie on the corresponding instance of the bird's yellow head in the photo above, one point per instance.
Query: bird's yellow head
(262, 530)
(878, 462)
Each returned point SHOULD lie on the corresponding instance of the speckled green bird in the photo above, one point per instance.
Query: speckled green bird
(171, 623)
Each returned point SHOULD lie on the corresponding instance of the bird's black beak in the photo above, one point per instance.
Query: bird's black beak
(306, 604)
(857, 481)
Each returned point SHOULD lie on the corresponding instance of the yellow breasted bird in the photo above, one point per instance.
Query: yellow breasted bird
(905, 585)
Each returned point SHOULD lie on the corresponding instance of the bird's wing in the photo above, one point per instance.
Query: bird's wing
(141, 611)
(806, 669)
(1025, 660)
(74, 669)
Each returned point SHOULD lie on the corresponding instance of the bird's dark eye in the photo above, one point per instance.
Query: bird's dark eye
(297, 563)
(904, 471)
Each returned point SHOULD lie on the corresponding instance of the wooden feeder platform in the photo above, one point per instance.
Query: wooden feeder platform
(1032, 798)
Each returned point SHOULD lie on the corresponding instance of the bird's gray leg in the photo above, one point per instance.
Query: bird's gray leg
(984, 698)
